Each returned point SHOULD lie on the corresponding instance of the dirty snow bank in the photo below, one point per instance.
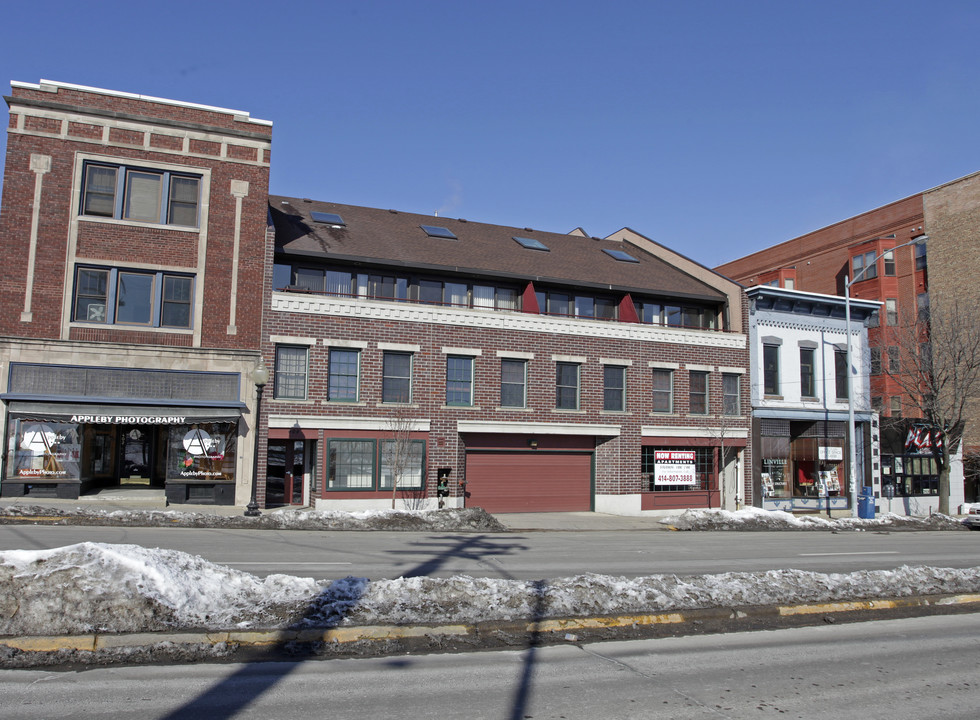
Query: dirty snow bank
(446, 520)
(100, 587)
(758, 519)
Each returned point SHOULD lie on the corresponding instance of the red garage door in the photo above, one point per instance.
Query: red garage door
(505, 482)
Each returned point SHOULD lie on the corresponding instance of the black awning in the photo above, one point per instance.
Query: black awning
(91, 414)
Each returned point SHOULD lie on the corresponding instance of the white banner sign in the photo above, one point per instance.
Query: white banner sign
(674, 467)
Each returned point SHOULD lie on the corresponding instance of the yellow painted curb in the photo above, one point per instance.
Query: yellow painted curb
(604, 622)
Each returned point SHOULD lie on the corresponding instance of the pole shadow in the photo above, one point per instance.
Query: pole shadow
(263, 672)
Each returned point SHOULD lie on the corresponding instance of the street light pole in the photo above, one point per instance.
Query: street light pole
(852, 450)
(260, 376)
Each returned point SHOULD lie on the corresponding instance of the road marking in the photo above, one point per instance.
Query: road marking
(880, 552)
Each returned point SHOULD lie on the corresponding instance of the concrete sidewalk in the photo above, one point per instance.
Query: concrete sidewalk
(142, 499)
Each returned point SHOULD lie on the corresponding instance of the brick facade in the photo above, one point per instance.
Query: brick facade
(56, 133)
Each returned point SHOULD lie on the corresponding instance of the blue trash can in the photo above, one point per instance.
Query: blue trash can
(866, 503)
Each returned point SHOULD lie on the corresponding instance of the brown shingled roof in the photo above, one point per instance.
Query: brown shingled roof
(395, 239)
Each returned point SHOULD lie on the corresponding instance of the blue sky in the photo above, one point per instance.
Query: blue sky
(716, 127)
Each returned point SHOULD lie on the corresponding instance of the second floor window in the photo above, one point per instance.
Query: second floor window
(459, 380)
(663, 391)
(770, 369)
(731, 395)
(116, 296)
(513, 383)
(566, 386)
(840, 372)
(614, 388)
(396, 381)
(343, 369)
(807, 374)
(698, 392)
(291, 371)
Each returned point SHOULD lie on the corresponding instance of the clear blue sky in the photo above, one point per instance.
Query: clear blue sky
(714, 127)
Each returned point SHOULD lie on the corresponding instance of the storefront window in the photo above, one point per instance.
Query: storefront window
(202, 451)
(678, 469)
(44, 451)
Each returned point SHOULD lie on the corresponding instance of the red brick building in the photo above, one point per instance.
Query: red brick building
(132, 239)
(884, 253)
(530, 371)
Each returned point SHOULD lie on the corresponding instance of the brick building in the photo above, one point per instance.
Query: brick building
(528, 370)
(900, 254)
(132, 239)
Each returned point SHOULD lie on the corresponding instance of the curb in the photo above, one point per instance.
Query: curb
(492, 634)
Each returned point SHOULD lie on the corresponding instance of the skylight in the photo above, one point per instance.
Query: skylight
(328, 218)
(531, 243)
(620, 255)
(439, 232)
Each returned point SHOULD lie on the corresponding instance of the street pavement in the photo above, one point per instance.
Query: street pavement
(142, 499)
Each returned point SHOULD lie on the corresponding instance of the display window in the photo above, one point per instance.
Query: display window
(202, 451)
(43, 450)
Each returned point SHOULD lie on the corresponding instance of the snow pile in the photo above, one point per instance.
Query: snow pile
(127, 588)
(446, 520)
(758, 519)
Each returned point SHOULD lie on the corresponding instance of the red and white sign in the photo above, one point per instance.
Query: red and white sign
(674, 467)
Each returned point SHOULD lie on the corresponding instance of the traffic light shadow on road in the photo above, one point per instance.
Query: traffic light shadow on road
(274, 663)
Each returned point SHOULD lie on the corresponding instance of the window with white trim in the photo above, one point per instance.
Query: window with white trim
(459, 380)
(731, 397)
(614, 388)
(663, 390)
(291, 371)
(342, 369)
(396, 380)
(567, 386)
(141, 194)
(120, 296)
(513, 383)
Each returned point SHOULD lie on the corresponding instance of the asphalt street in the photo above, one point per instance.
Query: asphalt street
(530, 555)
(896, 669)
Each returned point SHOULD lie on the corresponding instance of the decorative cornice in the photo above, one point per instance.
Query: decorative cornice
(496, 320)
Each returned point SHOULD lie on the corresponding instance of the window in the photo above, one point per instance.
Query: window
(731, 399)
(891, 311)
(350, 464)
(875, 362)
(920, 256)
(889, 262)
(614, 388)
(922, 302)
(291, 371)
(895, 406)
(342, 368)
(704, 465)
(840, 372)
(513, 383)
(459, 380)
(894, 359)
(405, 456)
(807, 381)
(698, 392)
(141, 195)
(876, 403)
(396, 381)
(566, 386)
(114, 296)
(663, 390)
(865, 263)
(770, 369)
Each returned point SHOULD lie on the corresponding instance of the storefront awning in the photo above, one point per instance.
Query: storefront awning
(92, 414)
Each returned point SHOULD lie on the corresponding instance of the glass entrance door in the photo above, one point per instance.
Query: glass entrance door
(285, 473)
(136, 450)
